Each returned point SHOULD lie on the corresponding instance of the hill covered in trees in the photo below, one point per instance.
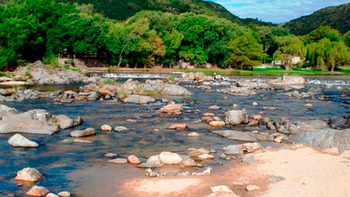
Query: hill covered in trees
(45, 29)
(124, 9)
(337, 17)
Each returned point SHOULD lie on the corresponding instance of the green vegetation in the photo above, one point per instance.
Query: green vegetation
(108, 82)
(122, 94)
(267, 71)
(335, 17)
(45, 30)
(170, 79)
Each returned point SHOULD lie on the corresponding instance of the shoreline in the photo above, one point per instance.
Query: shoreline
(321, 173)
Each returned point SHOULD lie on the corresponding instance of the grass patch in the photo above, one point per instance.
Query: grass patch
(170, 79)
(122, 94)
(108, 82)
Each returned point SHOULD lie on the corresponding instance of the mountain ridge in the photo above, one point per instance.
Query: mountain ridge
(337, 17)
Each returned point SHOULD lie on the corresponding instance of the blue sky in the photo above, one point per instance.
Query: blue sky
(277, 11)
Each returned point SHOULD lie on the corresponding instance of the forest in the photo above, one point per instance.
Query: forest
(33, 30)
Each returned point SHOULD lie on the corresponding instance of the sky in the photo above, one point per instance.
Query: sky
(276, 11)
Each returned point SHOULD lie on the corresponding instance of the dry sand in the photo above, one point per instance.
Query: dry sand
(307, 172)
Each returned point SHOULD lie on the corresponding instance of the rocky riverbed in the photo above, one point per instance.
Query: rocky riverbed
(92, 136)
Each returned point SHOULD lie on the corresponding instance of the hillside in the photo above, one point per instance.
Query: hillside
(123, 9)
(337, 17)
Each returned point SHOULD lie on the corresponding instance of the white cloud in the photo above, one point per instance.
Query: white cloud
(276, 10)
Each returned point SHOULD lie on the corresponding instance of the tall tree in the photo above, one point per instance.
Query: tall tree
(327, 55)
(289, 47)
(245, 52)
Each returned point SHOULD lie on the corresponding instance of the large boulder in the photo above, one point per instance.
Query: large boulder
(325, 138)
(175, 90)
(28, 174)
(236, 117)
(288, 80)
(130, 86)
(312, 125)
(34, 121)
(139, 99)
(5, 111)
(64, 122)
(19, 141)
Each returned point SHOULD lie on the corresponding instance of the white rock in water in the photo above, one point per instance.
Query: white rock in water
(28, 174)
(19, 141)
(170, 158)
(121, 129)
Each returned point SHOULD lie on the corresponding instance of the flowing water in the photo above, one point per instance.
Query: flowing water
(83, 169)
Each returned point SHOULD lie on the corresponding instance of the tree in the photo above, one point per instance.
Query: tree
(323, 32)
(289, 47)
(24, 25)
(346, 38)
(245, 52)
(327, 55)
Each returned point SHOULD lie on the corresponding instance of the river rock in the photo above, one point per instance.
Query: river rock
(217, 123)
(193, 134)
(118, 161)
(197, 152)
(325, 138)
(51, 195)
(206, 157)
(111, 155)
(187, 161)
(252, 187)
(83, 133)
(152, 162)
(83, 141)
(170, 158)
(133, 159)
(252, 147)
(214, 107)
(172, 109)
(19, 141)
(233, 150)
(289, 80)
(33, 121)
(312, 125)
(5, 111)
(236, 117)
(106, 128)
(37, 191)
(175, 90)
(222, 194)
(28, 174)
(221, 188)
(121, 129)
(139, 99)
(64, 122)
(178, 127)
(237, 135)
(64, 194)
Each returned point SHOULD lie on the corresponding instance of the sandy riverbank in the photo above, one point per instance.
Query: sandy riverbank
(307, 172)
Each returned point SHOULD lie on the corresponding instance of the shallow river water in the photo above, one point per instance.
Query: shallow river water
(83, 169)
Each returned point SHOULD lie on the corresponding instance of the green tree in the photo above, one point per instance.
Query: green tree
(245, 52)
(327, 55)
(289, 47)
(346, 38)
(24, 25)
(323, 32)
